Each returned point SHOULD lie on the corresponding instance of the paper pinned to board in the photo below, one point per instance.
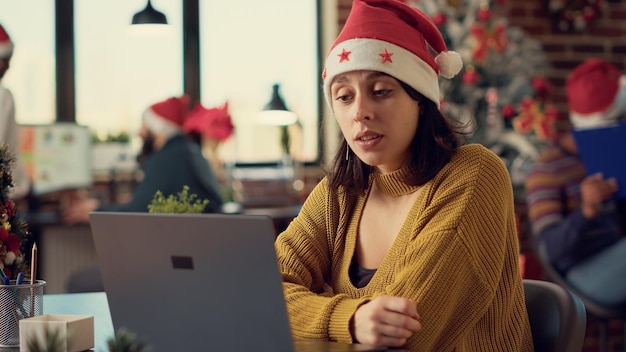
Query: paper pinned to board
(56, 156)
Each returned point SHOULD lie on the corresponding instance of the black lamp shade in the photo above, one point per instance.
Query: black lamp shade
(275, 112)
(149, 16)
(276, 102)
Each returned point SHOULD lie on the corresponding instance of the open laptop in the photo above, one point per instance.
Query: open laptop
(197, 282)
(604, 150)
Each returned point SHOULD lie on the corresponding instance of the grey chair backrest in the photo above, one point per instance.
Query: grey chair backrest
(558, 319)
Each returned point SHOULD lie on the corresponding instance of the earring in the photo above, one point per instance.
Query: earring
(347, 153)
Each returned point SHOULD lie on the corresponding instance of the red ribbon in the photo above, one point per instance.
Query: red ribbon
(488, 38)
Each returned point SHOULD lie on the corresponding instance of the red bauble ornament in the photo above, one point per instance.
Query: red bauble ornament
(471, 76)
(484, 15)
(440, 19)
(508, 111)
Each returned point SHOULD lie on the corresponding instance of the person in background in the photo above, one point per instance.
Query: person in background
(9, 132)
(169, 161)
(209, 128)
(572, 214)
(409, 240)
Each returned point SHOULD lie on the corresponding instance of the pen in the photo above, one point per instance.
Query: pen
(20, 278)
(33, 278)
(33, 265)
(2, 277)
(5, 280)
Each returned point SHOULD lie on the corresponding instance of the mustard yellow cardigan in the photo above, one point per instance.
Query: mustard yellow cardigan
(456, 256)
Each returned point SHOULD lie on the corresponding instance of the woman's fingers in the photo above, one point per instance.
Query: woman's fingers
(386, 321)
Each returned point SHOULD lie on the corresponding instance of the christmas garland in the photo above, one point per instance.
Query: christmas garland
(13, 229)
(575, 14)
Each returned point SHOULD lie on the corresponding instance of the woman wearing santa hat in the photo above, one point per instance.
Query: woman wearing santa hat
(169, 161)
(575, 216)
(410, 239)
(9, 133)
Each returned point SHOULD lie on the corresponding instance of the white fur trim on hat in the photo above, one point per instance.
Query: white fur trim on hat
(615, 112)
(382, 56)
(160, 125)
(450, 63)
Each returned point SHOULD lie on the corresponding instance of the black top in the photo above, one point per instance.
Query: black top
(178, 163)
(359, 275)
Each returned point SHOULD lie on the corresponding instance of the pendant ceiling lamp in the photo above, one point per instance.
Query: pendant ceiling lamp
(275, 111)
(149, 15)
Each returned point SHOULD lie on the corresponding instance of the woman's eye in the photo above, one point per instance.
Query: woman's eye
(342, 98)
(381, 92)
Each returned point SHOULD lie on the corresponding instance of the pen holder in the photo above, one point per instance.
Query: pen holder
(18, 302)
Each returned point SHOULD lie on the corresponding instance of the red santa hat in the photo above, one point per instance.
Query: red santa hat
(392, 37)
(6, 46)
(167, 117)
(214, 123)
(596, 94)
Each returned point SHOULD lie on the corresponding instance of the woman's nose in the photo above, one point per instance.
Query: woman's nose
(363, 110)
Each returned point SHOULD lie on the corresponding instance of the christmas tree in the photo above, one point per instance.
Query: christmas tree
(13, 229)
(501, 95)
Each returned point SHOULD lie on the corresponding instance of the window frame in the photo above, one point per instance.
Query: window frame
(66, 67)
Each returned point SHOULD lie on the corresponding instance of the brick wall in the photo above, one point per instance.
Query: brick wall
(604, 38)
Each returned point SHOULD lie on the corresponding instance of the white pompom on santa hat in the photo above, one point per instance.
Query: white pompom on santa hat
(596, 94)
(167, 117)
(6, 46)
(392, 37)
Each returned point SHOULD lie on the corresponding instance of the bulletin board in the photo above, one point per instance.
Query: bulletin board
(56, 156)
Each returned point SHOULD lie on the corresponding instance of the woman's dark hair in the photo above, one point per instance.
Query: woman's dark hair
(432, 147)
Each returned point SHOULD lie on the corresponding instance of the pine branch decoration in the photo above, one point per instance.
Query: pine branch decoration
(6, 180)
(14, 231)
(126, 341)
(52, 342)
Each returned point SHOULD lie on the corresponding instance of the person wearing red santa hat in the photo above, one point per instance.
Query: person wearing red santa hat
(573, 215)
(209, 127)
(409, 240)
(9, 133)
(169, 162)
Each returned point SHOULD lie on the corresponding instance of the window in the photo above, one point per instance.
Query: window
(31, 76)
(246, 47)
(119, 73)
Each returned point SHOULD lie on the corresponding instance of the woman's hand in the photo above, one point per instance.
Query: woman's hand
(385, 321)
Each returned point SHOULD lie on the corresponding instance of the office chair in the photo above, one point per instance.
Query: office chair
(557, 317)
(601, 313)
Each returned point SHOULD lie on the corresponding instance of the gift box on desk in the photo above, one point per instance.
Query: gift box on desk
(18, 302)
(72, 333)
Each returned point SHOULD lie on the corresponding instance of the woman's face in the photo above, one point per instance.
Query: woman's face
(377, 117)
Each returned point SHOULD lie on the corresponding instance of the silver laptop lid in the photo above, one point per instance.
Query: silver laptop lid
(205, 282)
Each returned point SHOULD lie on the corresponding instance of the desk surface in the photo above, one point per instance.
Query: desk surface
(95, 304)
